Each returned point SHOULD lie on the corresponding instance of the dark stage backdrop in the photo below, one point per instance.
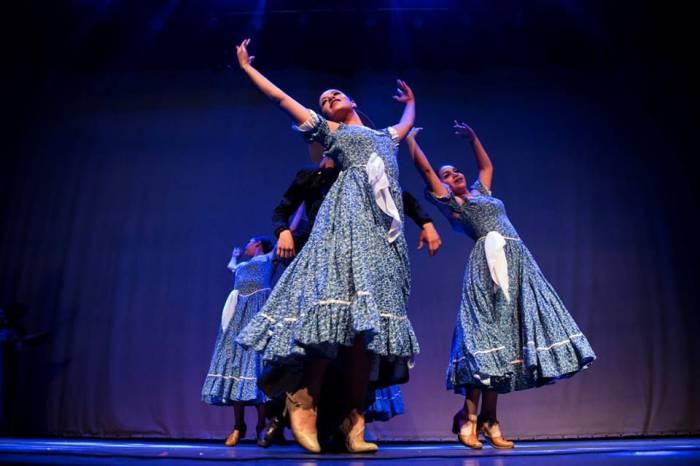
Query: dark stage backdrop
(125, 192)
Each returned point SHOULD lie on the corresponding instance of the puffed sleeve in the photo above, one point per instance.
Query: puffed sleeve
(477, 186)
(449, 207)
(393, 135)
(316, 129)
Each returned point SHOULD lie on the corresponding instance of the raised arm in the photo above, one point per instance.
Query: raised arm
(234, 260)
(294, 109)
(405, 96)
(423, 165)
(483, 162)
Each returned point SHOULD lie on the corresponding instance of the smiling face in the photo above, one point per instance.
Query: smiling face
(453, 178)
(335, 105)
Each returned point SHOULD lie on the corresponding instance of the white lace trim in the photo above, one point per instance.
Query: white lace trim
(514, 362)
(310, 122)
(330, 301)
(489, 350)
(257, 291)
(559, 343)
(394, 134)
(532, 343)
(334, 301)
(230, 377)
(343, 301)
(393, 316)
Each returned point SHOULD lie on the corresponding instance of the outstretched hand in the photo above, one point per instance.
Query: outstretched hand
(411, 136)
(429, 236)
(404, 93)
(242, 53)
(463, 130)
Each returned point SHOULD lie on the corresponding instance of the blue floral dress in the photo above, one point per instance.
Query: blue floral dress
(514, 336)
(384, 403)
(234, 370)
(352, 277)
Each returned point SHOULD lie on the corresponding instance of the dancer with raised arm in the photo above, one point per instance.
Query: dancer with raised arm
(512, 331)
(307, 191)
(347, 290)
(234, 371)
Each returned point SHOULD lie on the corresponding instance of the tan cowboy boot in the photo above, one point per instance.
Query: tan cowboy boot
(492, 432)
(235, 436)
(465, 428)
(308, 439)
(353, 428)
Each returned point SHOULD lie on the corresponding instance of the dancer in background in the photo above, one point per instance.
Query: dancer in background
(234, 370)
(512, 331)
(347, 290)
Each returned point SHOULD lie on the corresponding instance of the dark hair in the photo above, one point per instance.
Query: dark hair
(367, 121)
(265, 242)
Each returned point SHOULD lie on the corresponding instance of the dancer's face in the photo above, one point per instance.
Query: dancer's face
(335, 105)
(252, 248)
(453, 178)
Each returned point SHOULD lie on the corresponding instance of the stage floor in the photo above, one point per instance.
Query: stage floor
(638, 452)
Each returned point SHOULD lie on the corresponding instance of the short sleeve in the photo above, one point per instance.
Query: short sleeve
(448, 200)
(393, 134)
(477, 186)
(316, 129)
(449, 207)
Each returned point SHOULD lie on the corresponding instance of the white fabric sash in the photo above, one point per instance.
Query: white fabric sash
(382, 194)
(229, 309)
(496, 258)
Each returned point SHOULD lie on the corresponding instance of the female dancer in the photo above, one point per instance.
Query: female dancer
(307, 191)
(512, 331)
(347, 290)
(234, 370)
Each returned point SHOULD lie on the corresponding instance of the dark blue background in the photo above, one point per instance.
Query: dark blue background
(137, 159)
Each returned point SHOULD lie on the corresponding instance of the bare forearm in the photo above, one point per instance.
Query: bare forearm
(232, 264)
(483, 163)
(420, 160)
(294, 109)
(407, 119)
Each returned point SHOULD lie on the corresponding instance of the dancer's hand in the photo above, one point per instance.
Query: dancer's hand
(285, 245)
(242, 52)
(236, 253)
(429, 235)
(411, 136)
(463, 130)
(405, 94)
